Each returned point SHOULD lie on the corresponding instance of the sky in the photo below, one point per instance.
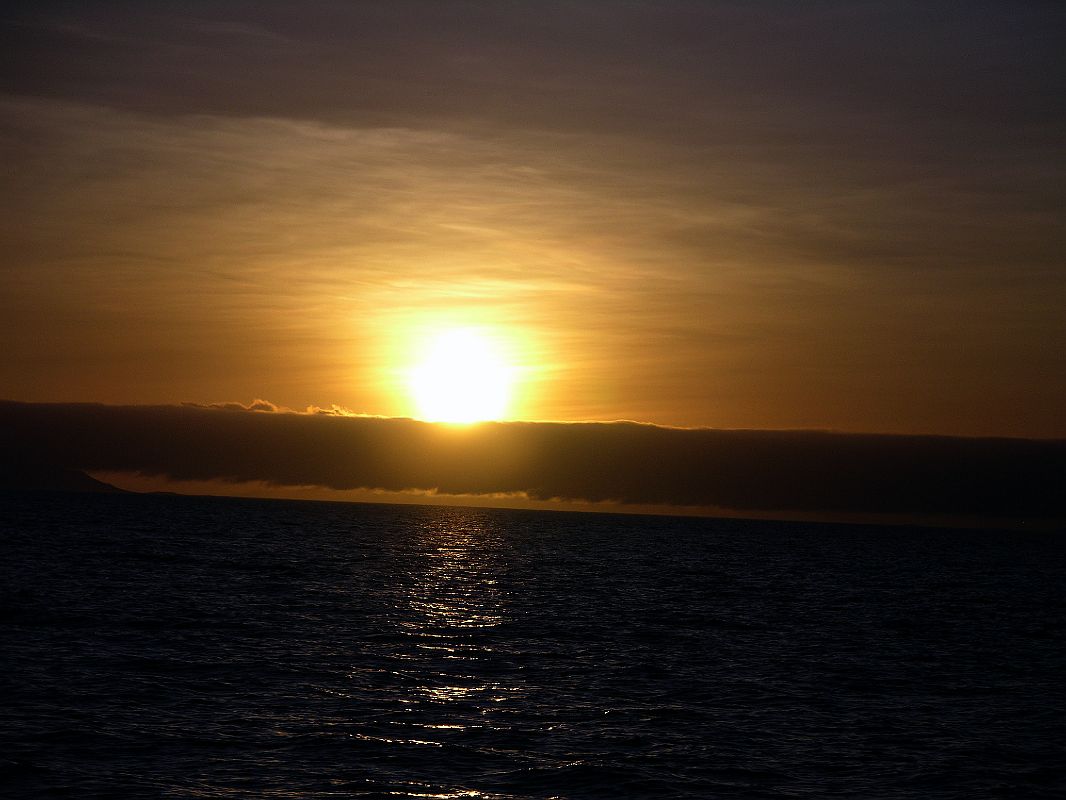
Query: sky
(842, 216)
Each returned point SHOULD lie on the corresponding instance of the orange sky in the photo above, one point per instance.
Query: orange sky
(838, 217)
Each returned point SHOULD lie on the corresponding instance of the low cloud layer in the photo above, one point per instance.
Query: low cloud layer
(746, 470)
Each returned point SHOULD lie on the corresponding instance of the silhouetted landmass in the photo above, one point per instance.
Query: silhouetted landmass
(749, 470)
(21, 476)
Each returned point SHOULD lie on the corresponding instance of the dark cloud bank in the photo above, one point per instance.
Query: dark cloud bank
(746, 470)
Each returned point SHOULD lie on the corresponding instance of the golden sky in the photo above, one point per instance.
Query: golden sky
(837, 215)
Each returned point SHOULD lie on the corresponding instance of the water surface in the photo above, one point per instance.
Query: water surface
(204, 647)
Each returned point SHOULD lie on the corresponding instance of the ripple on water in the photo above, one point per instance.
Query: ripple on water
(198, 647)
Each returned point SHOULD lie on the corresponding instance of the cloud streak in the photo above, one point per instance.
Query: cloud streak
(745, 470)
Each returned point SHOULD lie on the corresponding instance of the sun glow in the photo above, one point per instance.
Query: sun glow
(462, 377)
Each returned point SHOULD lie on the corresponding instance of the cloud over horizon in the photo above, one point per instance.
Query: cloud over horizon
(623, 462)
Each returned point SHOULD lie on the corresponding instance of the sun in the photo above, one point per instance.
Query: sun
(462, 377)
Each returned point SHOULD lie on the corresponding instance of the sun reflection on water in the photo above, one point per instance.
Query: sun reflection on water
(439, 671)
(453, 602)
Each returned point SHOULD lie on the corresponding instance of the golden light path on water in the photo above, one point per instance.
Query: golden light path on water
(457, 595)
(450, 687)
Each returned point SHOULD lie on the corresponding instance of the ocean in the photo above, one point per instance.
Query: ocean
(165, 646)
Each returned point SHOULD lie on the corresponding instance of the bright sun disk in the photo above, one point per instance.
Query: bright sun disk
(462, 377)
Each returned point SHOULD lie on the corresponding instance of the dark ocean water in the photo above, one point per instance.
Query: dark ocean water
(196, 647)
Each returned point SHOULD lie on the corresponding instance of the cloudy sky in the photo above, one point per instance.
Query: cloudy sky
(843, 216)
(773, 215)
(840, 216)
